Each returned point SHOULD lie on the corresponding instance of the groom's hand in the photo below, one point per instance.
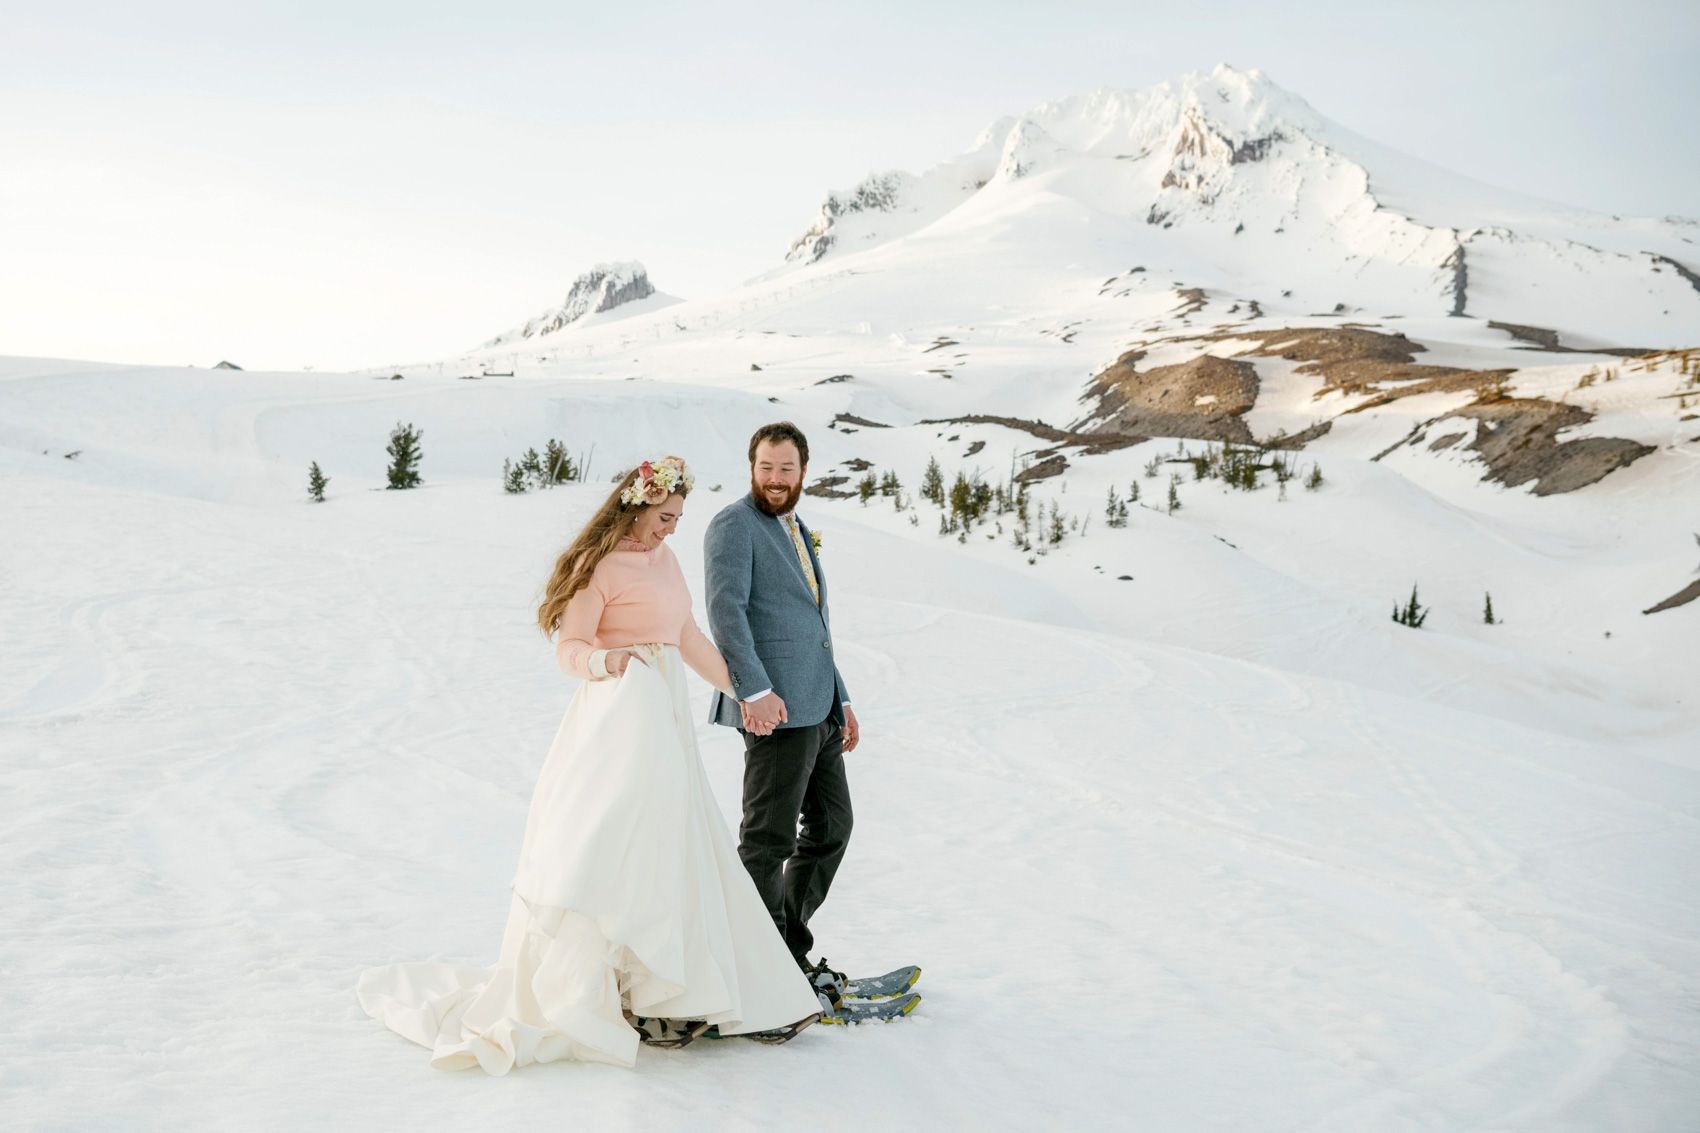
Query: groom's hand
(762, 716)
(852, 730)
(750, 725)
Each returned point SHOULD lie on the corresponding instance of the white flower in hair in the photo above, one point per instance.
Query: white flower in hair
(658, 479)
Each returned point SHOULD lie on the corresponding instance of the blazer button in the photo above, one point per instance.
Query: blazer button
(826, 644)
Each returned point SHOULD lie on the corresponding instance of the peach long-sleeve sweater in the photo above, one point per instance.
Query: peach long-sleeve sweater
(635, 596)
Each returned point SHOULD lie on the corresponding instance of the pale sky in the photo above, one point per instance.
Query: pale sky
(357, 183)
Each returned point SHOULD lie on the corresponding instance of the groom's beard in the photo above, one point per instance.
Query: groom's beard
(768, 504)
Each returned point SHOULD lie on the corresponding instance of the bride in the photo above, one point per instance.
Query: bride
(632, 917)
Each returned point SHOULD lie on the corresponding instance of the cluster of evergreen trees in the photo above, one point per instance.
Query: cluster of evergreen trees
(1413, 614)
(887, 486)
(970, 502)
(1115, 508)
(403, 471)
(555, 466)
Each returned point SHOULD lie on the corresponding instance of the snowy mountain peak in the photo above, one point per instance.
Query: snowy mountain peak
(878, 192)
(1224, 118)
(1238, 185)
(603, 288)
(1027, 149)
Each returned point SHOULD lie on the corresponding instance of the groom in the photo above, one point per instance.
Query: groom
(768, 614)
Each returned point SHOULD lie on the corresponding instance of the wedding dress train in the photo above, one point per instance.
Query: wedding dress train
(629, 895)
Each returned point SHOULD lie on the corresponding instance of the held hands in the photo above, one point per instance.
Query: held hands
(762, 716)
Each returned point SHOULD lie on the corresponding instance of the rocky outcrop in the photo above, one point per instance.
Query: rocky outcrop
(602, 288)
(1349, 359)
(876, 193)
(1049, 465)
(1681, 598)
(1090, 443)
(1541, 337)
(1205, 398)
(1517, 438)
(830, 488)
(1692, 278)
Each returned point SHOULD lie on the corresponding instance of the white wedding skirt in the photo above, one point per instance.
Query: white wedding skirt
(629, 895)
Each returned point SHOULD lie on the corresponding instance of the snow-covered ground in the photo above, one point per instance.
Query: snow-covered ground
(1187, 834)
(1219, 847)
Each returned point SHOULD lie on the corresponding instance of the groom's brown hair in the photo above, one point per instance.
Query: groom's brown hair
(781, 431)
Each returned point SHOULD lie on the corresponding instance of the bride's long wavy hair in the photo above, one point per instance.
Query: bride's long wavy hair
(574, 566)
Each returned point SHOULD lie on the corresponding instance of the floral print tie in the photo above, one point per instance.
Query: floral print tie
(803, 555)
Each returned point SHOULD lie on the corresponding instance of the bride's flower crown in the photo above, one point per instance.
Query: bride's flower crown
(658, 479)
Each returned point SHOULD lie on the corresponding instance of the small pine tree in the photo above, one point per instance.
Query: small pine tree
(890, 485)
(962, 498)
(558, 465)
(1238, 468)
(1412, 615)
(531, 467)
(1110, 505)
(866, 488)
(405, 455)
(513, 478)
(932, 484)
(1133, 492)
(1314, 480)
(1487, 610)
(1174, 494)
(316, 482)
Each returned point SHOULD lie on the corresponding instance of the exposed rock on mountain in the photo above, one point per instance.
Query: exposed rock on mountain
(1203, 398)
(602, 288)
(1518, 438)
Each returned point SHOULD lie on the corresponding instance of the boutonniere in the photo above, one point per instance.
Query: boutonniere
(814, 541)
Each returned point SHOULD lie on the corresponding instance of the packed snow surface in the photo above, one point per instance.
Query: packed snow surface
(1185, 831)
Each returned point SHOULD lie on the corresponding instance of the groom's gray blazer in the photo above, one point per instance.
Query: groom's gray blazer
(765, 621)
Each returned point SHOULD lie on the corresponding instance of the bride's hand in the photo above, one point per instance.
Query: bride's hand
(617, 660)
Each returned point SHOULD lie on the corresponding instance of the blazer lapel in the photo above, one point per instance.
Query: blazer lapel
(781, 543)
(781, 540)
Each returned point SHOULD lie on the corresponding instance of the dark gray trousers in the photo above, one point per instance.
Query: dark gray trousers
(795, 777)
